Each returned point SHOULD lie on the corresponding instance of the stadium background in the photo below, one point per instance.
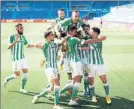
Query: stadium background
(36, 16)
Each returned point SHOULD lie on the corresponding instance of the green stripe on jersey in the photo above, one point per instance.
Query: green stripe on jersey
(95, 55)
(17, 51)
(73, 44)
(50, 51)
(67, 22)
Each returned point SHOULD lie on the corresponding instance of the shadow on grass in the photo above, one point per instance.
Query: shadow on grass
(29, 93)
(117, 103)
(86, 103)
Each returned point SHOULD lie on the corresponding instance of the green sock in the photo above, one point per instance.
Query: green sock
(92, 90)
(11, 77)
(75, 90)
(56, 94)
(66, 88)
(106, 88)
(24, 80)
(44, 92)
(86, 84)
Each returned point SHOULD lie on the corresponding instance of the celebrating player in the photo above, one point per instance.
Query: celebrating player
(16, 44)
(75, 20)
(76, 65)
(83, 55)
(50, 50)
(97, 66)
(61, 15)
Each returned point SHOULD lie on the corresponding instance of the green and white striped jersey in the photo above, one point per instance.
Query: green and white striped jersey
(57, 20)
(67, 56)
(84, 53)
(17, 52)
(95, 54)
(50, 51)
(73, 44)
(67, 22)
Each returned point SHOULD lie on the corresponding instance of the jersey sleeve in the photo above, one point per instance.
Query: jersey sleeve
(81, 21)
(45, 45)
(100, 47)
(64, 25)
(77, 41)
(10, 39)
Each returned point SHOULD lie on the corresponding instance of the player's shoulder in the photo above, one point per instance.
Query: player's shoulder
(74, 39)
(12, 35)
(66, 20)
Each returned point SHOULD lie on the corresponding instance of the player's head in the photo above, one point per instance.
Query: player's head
(95, 31)
(75, 15)
(19, 28)
(86, 28)
(49, 35)
(61, 13)
(72, 30)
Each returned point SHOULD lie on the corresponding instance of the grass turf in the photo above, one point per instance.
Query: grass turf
(118, 53)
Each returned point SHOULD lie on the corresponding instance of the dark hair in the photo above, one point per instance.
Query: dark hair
(60, 9)
(19, 24)
(47, 33)
(85, 25)
(75, 11)
(96, 29)
(71, 28)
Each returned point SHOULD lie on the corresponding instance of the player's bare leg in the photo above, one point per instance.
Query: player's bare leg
(11, 77)
(56, 85)
(68, 86)
(106, 88)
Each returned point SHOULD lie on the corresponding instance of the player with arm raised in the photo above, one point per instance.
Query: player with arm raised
(61, 15)
(97, 66)
(16, 44)
(75, 20)
(75, 63)
(50, 49)
(55, 25)
(84, 34)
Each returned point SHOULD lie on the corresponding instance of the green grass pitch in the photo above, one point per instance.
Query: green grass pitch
(118, 53)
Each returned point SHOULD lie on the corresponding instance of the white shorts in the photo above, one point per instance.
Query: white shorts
(86, 68)
(51, 73)
(66, 66)
(84, 61)
(97, 69)
(77, 68)
(19, 64)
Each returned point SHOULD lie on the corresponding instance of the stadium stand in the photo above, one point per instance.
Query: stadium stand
(117, 14)
(123, 13)
(48, 9)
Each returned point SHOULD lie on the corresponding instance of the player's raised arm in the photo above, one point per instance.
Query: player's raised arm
(64, 40)
(52, 26)
(90, 41)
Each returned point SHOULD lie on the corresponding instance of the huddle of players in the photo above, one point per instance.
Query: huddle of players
(84, 52)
